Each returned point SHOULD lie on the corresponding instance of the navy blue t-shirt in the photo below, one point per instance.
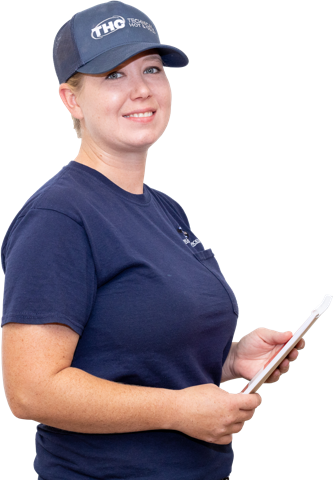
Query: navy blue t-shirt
(150, 304)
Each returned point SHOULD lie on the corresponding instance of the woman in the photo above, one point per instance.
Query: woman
(118, 323)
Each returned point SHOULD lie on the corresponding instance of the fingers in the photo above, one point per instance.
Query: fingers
(300, 344)
(294, 353)
(284, 365)
(283, 368)
(248, 402)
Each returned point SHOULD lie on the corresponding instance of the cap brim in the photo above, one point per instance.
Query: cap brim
(171, 57)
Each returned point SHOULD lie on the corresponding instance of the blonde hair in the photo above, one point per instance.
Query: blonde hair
(76, 83)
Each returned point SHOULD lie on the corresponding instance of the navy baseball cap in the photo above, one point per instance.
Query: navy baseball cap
(100, 38)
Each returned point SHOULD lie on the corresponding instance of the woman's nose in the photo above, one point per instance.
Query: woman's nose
(140, 89)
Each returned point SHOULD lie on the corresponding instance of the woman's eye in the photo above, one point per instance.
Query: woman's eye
(114, 75)
(152, 70)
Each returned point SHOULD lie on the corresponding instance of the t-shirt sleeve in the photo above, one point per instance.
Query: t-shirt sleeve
(49, 269)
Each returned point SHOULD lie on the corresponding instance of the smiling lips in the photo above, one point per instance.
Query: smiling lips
(142, 117)
(138, 115)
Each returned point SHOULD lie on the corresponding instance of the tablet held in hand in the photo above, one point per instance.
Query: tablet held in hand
(279, 356)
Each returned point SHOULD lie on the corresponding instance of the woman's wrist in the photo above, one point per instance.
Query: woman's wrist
(228, 370)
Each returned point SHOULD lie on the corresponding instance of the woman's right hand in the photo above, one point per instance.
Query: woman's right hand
(211, 414)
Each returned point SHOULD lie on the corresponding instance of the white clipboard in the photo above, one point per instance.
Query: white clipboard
(275, 361)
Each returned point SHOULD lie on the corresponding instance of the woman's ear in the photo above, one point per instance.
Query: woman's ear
(70, 101)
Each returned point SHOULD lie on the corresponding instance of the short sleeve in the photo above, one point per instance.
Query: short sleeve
(49, 271)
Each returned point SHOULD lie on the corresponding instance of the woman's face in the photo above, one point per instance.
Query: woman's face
(111, 104)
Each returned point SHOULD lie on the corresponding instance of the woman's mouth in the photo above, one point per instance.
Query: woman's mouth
(146, 114)
(142, 117)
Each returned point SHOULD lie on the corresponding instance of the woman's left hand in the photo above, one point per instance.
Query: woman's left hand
(256, 348)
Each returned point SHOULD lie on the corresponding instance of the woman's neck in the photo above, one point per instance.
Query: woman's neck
(128, 172)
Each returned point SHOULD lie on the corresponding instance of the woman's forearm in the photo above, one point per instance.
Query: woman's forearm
(228, 370)
(77, 401)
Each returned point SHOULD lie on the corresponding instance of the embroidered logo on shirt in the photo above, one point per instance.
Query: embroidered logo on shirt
(186, 240)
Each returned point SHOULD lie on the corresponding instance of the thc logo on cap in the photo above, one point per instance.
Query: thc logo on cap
(105, 27)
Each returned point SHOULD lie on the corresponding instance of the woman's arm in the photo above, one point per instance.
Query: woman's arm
(41, 385)
(228, 370)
